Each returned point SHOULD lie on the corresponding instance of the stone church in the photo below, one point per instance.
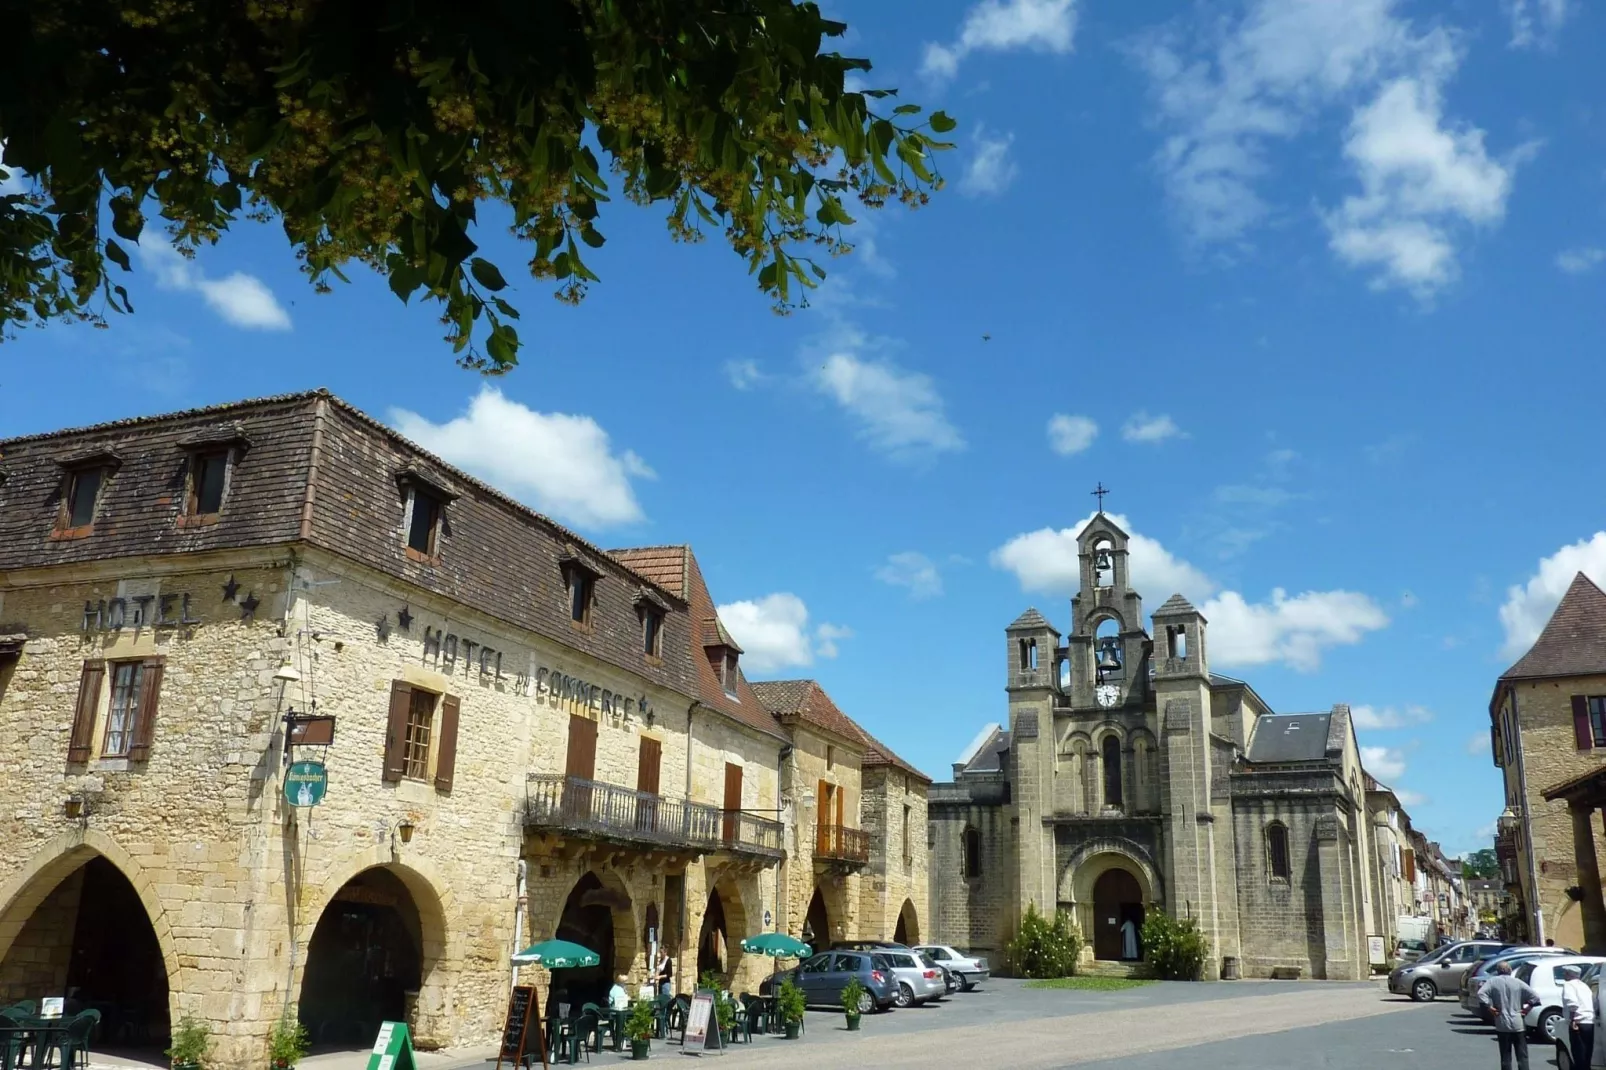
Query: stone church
(1130, 778)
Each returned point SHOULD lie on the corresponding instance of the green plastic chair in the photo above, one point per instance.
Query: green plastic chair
(13, 1039)
(603, 1028)
(74, 1046)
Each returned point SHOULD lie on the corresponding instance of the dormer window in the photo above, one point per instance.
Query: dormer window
(423, 523)
(652, 631)
(208, 475)
(728, 673)
(580, 580)
(83, 493)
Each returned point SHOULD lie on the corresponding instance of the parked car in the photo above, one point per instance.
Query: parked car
(1410, 950)
(1544, 976)
(1438, 971)
(868, 945)
(823, 977)
(966, 969)
(917, 981)
(1480, 973)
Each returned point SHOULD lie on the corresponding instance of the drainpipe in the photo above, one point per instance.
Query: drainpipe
(1527, 828)
(522, 902)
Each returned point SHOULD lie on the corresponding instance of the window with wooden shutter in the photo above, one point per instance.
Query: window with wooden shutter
(582, 758)
(401, 701)
(733, 799)
(647, 766)
(446, 746)
(83, 725)
(1584, 738)
(144, 726)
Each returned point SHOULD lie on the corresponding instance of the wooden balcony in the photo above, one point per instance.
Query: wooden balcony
(591, 809)
(840, 844)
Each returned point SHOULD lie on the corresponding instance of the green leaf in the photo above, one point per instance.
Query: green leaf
(907, 109)
(942, 122)
(486, 274)
(591, 236)
(506, 309)
(503, 345)
(116, 255)
(126, 218)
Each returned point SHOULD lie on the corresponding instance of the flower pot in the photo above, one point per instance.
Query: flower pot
(853, 1023)
(639, 1048)
(792, 1029)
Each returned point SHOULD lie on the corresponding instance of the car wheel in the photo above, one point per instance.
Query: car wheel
(967, 986)
(1424, 990)
(866, 1003)
(906, 995)
(1551, 1025)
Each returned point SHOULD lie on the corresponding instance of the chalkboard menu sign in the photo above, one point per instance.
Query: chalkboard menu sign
(702, 1023)
(522, 1029)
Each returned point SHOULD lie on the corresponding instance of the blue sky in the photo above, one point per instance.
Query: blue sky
(1315, 287)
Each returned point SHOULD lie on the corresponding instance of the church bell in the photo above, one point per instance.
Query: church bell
(1109, 655)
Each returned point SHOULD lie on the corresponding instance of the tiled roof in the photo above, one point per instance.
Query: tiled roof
(663, 565)
(878, 753)
(1574, 640)
(745, 706)
(807, 701)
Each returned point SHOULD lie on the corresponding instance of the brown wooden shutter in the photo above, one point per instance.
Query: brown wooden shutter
(841, 799)
(150, 691)
(647, 766)
(83, 724)
(446, 752)
(733, 799)
(582, 760)
(1581, 729)
(401, 700)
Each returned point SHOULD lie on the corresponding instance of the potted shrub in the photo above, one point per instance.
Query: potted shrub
(640, 1027)
(287, 1044)
(190, 1045)
(853, 994)
(789, 1002)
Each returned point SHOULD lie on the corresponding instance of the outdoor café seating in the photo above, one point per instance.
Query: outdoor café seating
(35, 1043)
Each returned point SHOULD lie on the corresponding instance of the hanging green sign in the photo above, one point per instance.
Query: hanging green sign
(305, 783)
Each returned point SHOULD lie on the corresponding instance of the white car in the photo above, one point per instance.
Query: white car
(966, 970)
(916, 981)
(1545, 976)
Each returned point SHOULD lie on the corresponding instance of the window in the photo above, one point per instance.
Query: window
(423, 525)
(972, 852)
(937, 953)
(830, 756)
(728, 674)
(1028, 655)
(415, 744)
(208, 472)
(908, 847)
(652, 628)
(83, 493)
(1112, 771)
(1597, 719)
(1277, 851)
(1177, 638)
(127, 676)
(582, 586)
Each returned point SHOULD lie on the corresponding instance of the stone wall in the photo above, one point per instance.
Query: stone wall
(898, 878)
(814, 758)
(971, 913)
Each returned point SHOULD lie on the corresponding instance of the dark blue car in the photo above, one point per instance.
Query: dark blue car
(823, 977)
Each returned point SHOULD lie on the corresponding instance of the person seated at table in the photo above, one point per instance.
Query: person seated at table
(619, 995)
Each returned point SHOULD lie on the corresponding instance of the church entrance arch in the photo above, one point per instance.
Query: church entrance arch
(370, 954)
(79, 928)
(1117, 916)
(908, 928)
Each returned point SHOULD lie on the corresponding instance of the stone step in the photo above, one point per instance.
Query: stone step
(1103, 968)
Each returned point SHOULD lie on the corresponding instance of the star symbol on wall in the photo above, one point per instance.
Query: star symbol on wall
(248, 608)
(405, 619)
(383, 626)
(230, 589)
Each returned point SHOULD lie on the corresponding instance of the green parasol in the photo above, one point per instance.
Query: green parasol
(556, 955)
(777, 945)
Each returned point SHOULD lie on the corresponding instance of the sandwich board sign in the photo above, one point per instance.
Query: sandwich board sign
(702, 1025)
(393, 1048)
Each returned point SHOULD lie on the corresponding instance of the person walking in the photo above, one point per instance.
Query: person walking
(1510, 1001)
(664, 976)
(1578, 1006)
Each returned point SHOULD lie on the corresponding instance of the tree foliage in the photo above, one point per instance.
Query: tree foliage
(1174, 947)
(1480, 863)
(374, 132)
(1043, 947)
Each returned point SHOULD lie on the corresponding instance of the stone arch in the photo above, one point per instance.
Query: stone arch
(907, 930)
(626, 930)
(830, 902)
(726, 892)
(1080, 877)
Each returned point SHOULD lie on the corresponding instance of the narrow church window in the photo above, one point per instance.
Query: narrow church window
(972, 853)
(1178, 638)
(1277, 850)
(1112, 771)
(1029, 655)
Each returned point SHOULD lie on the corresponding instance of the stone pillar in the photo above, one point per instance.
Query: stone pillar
(1334, 877)
(1592, 906)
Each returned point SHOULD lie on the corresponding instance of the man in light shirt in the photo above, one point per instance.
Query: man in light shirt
(619, 994)
(1510, 1000)
(1578, 1006)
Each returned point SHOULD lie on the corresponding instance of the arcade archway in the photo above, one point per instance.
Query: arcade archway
(80, 930)
(817, 923)
(714, 939)
(908, 927)
(366, 960)
(597, 915)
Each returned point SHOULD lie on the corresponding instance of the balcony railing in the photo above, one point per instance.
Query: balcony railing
(610, 812)
(841, 844)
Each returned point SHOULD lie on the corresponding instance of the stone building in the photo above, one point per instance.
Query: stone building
(297, 719)
(1131, 778)
(1548, 734)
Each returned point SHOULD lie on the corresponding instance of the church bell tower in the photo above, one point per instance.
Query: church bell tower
(1108, 646)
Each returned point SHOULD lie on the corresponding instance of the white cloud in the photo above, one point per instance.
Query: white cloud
(1227, 92)
(1528, 607)
(560, 464)
(1003, 26)
(1070, 434)
(1578, 261)
(1535, 22)
(773, 632)
(1292, 630)
(743, 374)
(1385, 763)
(241, 299)
(1409, 798)
(990, 169)
(913, 570)
(898, 411)
(1370, 718)
(1477, 744)
(1145, 428)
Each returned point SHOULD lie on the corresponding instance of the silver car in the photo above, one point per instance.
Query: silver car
(916, 981)
(1439, 971)
(968, 971)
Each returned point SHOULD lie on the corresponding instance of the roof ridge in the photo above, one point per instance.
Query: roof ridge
(179, 414)
(1573, 640)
